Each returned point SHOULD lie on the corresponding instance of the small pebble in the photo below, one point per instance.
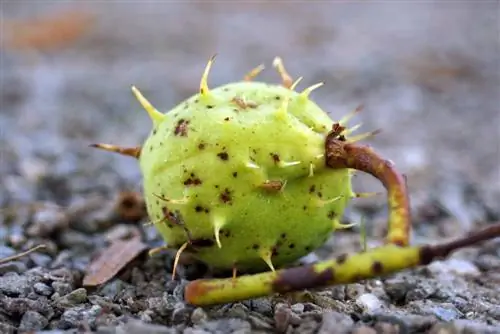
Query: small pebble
(181, 314)
(224, 325)
(62, 288)
(488, 262)
(113, 288)
(33, 321)
(463, 326)
(40, 260)
(17, 240)
(369, 302)
(363, 330)
(79, 315)
(140, 327)
(73, 298)
(146, 316)
(121, 231)
(47, 221)
(388, 328)
(443, 311)
(18, 306)
(282, 317)
(6, 251)
(259, 322)
(335, 322)
(16, 237)
(13, 267)
(43, 289)
(494, 312)
(238, 310)
(353, 291)
(63, 258)
(420, 291)
(198, 316)
(74, 239)
(454, 266)
(397, 287)
(262, 306)
(7, 328)
(14, 285)
(297, 308)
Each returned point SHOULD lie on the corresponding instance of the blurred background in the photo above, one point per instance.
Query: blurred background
(427, 74)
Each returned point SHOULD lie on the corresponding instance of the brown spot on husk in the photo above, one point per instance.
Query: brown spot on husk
(181, 129)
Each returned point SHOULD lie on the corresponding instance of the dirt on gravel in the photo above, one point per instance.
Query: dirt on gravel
(427, 74)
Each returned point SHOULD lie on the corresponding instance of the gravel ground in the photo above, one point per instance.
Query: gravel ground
(427, 73)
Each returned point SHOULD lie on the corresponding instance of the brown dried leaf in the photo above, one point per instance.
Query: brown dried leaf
(112, 260)
(47, 33)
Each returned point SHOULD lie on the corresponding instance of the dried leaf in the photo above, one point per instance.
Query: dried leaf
(47, 33)
(112, 260)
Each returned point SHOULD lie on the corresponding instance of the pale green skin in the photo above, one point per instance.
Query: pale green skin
(291, 220)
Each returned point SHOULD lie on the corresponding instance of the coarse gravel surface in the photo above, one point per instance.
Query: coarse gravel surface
(427, 73)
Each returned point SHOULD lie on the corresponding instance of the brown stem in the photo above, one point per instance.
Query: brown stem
(341, 154)
(433, 252)
(22, 254)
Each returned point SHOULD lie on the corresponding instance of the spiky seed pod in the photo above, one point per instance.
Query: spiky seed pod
(238, 174)
(228, 172)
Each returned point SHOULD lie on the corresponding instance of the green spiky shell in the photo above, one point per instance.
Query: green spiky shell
(210, 159)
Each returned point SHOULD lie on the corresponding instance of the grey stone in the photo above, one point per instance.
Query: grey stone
(73, 298)
(15, 285)
(32, 321)
(43, 289)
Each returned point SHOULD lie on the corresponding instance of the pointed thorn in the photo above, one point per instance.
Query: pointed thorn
(286, 80)
(204, 90)
(350, 130)
(218, 222)
(252, 165)
(235, 272)
(282, 112)
(154, 114)
(306, 92)
(254, 72)
(350, 115)
(363, 136)
(217, 237)
(284, 164)
(185, 200)
(337, 225)
(177, 257)
(311, 170)
(321, 203)
(156, 250)
(295, 84)
(133, 152)
(266, 256)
